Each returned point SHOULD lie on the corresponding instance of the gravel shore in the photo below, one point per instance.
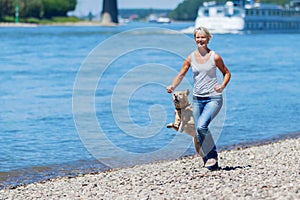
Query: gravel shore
(268, 171)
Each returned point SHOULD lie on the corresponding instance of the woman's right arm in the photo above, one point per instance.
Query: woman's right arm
(177, 80)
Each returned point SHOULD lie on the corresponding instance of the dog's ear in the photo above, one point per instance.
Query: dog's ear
(187, 92)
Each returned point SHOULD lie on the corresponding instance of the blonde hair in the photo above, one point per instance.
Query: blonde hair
(203, 29)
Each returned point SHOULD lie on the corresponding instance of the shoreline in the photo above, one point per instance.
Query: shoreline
(81, 23)
(253, 172)
(243, 145)
(35, 174)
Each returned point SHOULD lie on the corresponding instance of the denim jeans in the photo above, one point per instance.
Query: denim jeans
(204, 110)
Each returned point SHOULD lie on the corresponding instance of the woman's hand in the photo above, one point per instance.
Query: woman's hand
(219, 88)
(170, 88)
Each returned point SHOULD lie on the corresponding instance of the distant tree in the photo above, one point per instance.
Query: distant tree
(30, 8)
(35, 9)
(58, 7)
(7, 8)
(187, 10)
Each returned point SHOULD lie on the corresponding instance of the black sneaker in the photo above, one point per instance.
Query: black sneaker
(210, 162)
(213, 167)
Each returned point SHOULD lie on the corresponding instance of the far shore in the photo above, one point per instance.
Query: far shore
(81, 23)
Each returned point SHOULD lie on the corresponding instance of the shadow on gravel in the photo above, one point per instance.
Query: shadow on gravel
(227, 168)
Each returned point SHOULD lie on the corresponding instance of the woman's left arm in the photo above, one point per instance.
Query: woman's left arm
(226, 73)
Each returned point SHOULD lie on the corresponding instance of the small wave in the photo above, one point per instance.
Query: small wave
(41, 173)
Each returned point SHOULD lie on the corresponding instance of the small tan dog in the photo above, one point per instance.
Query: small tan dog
(184, 121)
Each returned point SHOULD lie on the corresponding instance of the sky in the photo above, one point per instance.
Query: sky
(95, 6)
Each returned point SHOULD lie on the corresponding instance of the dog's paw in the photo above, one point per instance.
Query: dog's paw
(170, 125)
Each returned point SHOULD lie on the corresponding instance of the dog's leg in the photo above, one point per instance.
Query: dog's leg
(174, 125)
(184, 120)
(177, 120)
(197, 146)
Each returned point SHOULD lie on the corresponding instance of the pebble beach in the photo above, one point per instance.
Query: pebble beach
(269, 171)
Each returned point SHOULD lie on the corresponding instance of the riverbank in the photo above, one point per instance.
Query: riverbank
(81, 23)
(268, 171)
(7, 24)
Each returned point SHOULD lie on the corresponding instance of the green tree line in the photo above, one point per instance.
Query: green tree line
(187, 10)
(35, 8)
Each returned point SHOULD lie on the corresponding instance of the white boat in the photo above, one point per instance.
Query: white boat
(161, 20)
(221, 18)
(234, 17)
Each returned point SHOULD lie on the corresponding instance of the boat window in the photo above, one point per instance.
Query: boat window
(284, 13)
(219, 11)
(206, 12)
(236, 12)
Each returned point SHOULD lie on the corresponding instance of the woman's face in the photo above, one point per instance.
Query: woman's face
(201, 39)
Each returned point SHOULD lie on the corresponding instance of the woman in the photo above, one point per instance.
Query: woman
(207, 93)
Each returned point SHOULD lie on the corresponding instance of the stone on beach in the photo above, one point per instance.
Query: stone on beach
(268, 171)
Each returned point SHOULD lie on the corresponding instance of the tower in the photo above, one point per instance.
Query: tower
(109, 12)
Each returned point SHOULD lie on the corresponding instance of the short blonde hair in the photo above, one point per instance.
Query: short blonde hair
(203, 29)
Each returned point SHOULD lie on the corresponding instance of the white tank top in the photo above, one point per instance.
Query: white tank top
(205, 76)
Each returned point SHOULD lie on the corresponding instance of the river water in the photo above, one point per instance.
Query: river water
(77, 99)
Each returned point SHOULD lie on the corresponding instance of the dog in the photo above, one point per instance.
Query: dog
(184, 121)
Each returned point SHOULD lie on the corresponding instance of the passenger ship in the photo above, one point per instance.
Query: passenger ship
(237, 16)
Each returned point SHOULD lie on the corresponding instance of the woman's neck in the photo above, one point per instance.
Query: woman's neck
(203, 51)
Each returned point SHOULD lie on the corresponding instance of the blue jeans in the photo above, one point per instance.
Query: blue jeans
(204, 110)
